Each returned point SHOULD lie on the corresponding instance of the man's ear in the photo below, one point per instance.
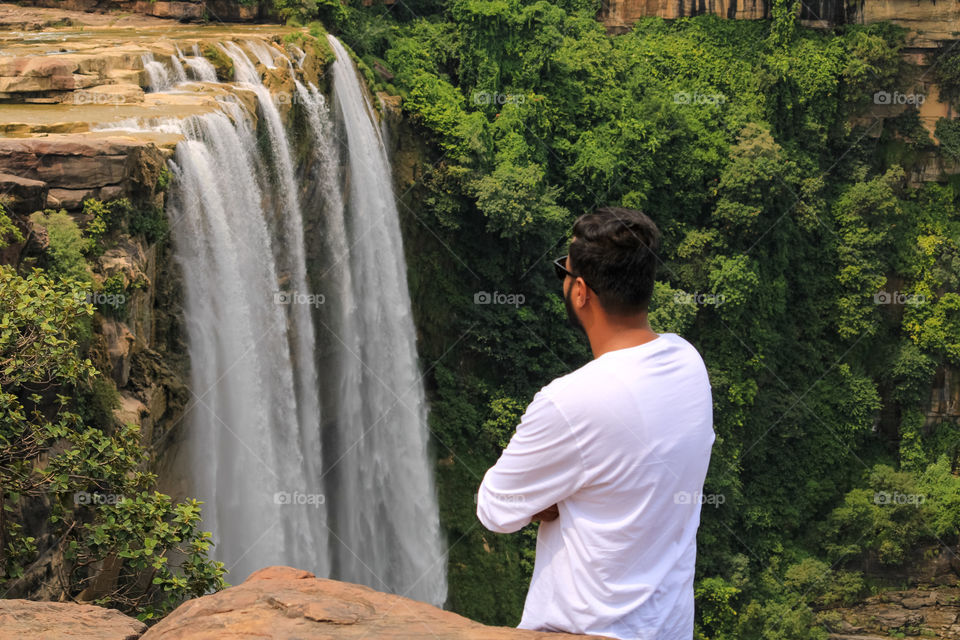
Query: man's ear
(582, 292)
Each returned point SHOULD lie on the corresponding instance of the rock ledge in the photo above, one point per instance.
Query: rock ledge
(276, 603)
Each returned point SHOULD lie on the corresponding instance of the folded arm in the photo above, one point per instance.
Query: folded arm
(540, 467)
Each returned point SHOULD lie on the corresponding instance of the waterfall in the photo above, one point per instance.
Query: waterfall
(387, 507)
(249, 459)
(179, 73)
(331, 472)
(295, 262)
(265, 54)
(201, 68)
(158, 76)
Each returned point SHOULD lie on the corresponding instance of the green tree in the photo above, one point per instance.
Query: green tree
(117, 535)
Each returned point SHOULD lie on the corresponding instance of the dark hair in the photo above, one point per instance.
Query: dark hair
(614, 251)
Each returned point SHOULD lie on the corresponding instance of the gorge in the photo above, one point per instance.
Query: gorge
(286, 254)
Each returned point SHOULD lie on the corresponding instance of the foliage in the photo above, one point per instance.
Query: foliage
(220, 61)
(65, 255)
(946, 73)
(785, 229)
(149, 222)
(60, 446)
(8, 230)
(894, 513)
(297, 12)
(948, 133)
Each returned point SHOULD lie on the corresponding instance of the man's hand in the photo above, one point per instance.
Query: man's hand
(547, 515)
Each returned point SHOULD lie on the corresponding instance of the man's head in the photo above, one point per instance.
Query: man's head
(613, 261)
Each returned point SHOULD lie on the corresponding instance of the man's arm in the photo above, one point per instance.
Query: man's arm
(539, 468)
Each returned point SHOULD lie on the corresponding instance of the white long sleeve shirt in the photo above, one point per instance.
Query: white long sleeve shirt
(621, 446)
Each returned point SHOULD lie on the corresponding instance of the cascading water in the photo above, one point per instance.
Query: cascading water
(243, 428)
(179, 73)
(158, 76)
(367, 510)
(386, 510)
(203, 70)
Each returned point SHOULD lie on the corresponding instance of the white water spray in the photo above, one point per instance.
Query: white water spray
(258, 439)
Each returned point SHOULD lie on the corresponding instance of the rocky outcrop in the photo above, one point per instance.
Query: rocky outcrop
(23, 194)
(74, 168)
(944, 397)
(929, 21)
(286, 603)
(930, 613)
(280, 603)
(32, 620)
(182, 10)
(619, 15)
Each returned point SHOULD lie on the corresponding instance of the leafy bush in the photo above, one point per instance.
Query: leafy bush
(881, 521)
(65, 255)
(946, 73)
(60, 446)
(948, 133)
(8, 230)
(150, 222)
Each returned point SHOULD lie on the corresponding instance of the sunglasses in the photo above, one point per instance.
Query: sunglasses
(560, 268)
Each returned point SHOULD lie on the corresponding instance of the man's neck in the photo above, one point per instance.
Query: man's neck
(620, 335)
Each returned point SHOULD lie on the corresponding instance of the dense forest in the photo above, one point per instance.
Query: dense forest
(819, 285)
(818, 279)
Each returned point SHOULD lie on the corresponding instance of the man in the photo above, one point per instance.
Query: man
(611, 458)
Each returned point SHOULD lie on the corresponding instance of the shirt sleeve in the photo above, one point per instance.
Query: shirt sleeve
(540, 467)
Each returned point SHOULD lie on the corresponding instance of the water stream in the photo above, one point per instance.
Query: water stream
(307, 429)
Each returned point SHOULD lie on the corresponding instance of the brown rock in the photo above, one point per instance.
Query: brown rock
(109, 94)
(177, 10)
(119, 346)
(619, 15)
(69, 163)
(929, 22)
(69, 199)
(65, 621)
(286, 603)
(23, 195)
(917, 601)
(131, 409)
(229, 11)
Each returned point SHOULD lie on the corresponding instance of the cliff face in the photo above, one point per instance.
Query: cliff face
(57, 151)
(619, 15)
(183, 10)
(928, 20)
